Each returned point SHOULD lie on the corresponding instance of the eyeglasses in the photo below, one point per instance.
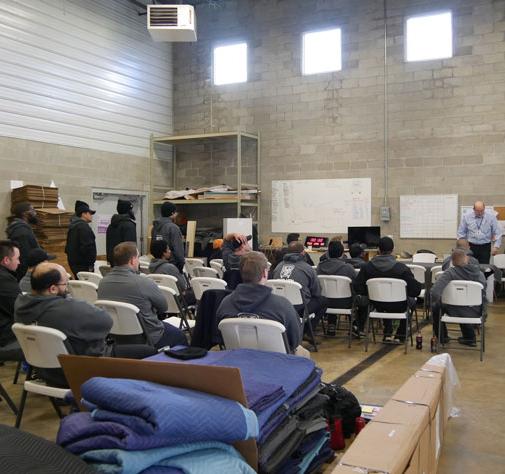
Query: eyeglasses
(62, 284)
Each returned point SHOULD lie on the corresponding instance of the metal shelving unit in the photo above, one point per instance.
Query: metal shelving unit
(179, 141)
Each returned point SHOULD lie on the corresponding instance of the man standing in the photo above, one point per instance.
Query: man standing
(482, 231)
(384, 265)
(165, 229)
(81, 245)
(122, 228)
(461, 270)
(9, 289)
(20, 231)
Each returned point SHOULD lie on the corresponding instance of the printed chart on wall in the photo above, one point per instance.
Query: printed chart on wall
(433, 216)
(321, 205)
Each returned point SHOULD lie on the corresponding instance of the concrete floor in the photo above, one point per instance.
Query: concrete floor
(474, 440)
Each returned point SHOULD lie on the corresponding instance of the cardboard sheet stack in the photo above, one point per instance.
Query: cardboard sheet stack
(39, 196)
(283, 391)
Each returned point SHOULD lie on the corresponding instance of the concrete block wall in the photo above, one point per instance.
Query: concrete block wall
(446, 117)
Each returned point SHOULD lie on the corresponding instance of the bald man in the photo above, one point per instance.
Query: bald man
(465, 246)
(482, 231)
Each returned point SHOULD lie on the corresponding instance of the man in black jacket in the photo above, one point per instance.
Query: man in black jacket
(9, 289)
(81, 245)
(122, 228)
(20, 231)
(357, 253)
(384, 265)
(254, 298)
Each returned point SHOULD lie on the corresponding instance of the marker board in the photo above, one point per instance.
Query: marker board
(325, 206)
(433, 216)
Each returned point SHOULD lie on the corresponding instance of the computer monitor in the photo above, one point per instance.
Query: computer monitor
(369, 236)
(316, 242)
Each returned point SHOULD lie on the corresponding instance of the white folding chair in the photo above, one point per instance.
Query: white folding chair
(218, 260)
(424, 258)
(145, 259)
(201, 284)
(254, 333)
(499, 262)
(100, 263)
(174, 307)
(144, 267)
(336, 286)
(292, 291)
(205, 272)
(90, 276)
(41, 347)
(165, 280)
(434, 270)
(125, 319)
(420, 275)
(83, 290)
(191, 263)
(218, 266)
(387, 290)
(464, 293)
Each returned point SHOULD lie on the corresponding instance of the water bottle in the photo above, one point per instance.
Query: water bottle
(419, 341)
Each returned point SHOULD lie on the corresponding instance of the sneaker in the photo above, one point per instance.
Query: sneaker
(388, 339)
(355, 332)
(467, 342)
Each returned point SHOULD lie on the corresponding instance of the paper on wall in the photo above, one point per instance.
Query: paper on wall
(15, 183)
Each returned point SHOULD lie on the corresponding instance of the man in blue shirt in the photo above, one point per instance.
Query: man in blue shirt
(482, 231)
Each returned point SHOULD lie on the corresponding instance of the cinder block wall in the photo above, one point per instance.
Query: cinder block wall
(446, 117)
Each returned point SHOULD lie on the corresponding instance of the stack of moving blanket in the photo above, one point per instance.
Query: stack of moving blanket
(283, 391)
(136, 426)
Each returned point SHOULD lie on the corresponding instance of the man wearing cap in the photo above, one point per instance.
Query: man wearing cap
(165, 229)
(35, 257)
(81, 245)
(482, 231)
(384, 265)
(20, 231)
(122, 228)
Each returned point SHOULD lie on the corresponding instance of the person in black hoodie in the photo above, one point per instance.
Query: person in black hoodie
(122, 228)
(357, 252)
(9, 289)
(253, 297)
(20, 231)
(81, 245)
(384, 265)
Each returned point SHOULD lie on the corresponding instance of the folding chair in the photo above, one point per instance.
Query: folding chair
(83, 290)
(424, 258)
(335, 286)
(170, 281)
(387, 290)
(291, 290)
(41, 347)
(174, 307)
(90, 276)
(499, 262)
(100, 263)
(200, 284)
(206, 272)
(217, 265)
(254, 333)
(191, 263)
(464, 293)
(420, 275)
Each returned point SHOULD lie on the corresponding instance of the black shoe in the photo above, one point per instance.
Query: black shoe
(331, 330)
(445, 340)
(467, 342)
(355, 332)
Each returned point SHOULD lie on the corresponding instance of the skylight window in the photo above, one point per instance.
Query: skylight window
(230, 64)
(322, 51)
(429, 37)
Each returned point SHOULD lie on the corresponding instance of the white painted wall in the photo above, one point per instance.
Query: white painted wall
(84, 74)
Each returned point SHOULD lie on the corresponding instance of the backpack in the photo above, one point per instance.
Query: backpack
(342, 404)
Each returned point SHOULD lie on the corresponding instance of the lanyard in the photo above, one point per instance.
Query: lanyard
(480, 225)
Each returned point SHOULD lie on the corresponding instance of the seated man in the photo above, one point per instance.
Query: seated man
(253, 297)
(384, 265)
(464, 245)
(294, 237)
(294, 267)
(9, 291)
(335, 265)
(123, 283)
(234, 246)
(85, 325)
(357, 253)
(461, 270)
(35, 256)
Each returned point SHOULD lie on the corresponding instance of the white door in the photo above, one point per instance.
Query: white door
(105, 202)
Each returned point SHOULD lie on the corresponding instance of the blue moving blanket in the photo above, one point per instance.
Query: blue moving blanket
(178, 414)
(190, 458)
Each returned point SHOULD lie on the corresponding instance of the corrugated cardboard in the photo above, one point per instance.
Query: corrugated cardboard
(349, 470)
(382, 447)
(222, 381)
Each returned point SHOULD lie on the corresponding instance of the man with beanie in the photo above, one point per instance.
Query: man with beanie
(165, 229)
(122, 228)
(35, 257)
(20, 231)
(81, 245)
(384, 265)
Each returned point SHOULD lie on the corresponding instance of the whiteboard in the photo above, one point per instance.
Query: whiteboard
(433, 216)
(326, 206)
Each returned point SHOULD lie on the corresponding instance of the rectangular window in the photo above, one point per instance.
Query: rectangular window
(322, 51)
(230, 64)
(429, 37)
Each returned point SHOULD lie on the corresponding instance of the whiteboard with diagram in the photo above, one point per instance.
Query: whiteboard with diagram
(325, 206)
(429, 216)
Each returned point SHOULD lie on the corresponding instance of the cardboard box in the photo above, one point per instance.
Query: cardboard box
(347, 470)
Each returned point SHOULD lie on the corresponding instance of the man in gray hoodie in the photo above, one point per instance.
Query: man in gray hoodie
(464, 245)
(123, 283)
(253, 297)
(461, 270)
